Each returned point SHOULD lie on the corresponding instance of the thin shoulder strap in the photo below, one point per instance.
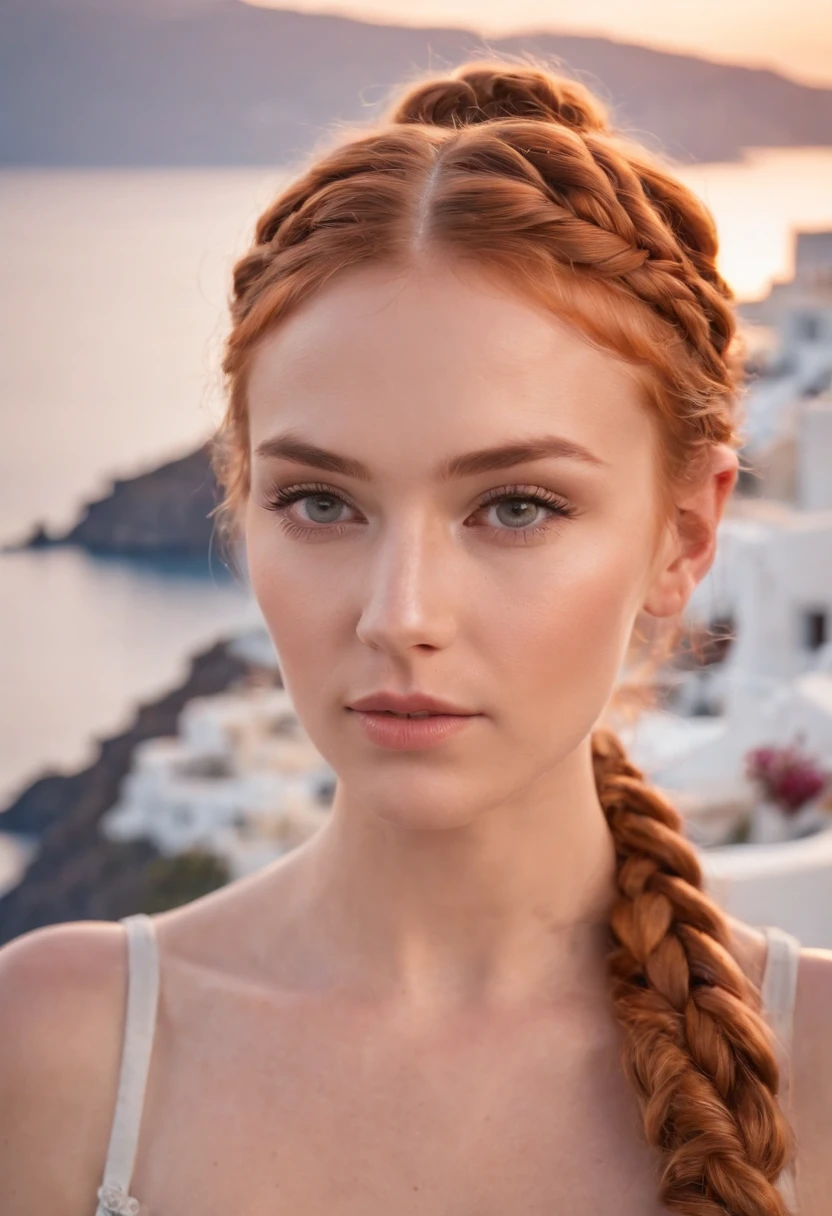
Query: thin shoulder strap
(139, 1026)
(779, 985)
(777, 993)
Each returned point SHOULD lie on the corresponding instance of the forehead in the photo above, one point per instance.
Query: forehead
(434, 360)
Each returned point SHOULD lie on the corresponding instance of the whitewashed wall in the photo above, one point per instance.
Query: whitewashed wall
(789, 885)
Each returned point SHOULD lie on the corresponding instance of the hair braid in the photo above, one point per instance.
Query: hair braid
(590, 225)
(483, 92)
(590, 209)
(697, 1050)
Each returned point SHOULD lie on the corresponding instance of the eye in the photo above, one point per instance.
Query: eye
(324, 505)
(516, 507)
(323, 501)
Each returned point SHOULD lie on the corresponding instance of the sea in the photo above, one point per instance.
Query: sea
(111, 323)
(114, 310)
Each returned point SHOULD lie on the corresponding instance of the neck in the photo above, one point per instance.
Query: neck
(512, 904)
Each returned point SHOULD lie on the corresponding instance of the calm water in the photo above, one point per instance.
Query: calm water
(112, 322)
(757, 203)
(108, 354)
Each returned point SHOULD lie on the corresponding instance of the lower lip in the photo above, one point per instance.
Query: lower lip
(410, 734)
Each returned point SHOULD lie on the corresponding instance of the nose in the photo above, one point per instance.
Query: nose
(409, 595)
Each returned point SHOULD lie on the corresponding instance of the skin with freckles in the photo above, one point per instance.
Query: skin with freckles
(409, 1013)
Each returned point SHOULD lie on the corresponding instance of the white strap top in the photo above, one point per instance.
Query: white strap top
(139, 1026)
(777, 996)
(778, 990)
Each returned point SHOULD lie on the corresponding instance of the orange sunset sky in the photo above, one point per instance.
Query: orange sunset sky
(795, 37)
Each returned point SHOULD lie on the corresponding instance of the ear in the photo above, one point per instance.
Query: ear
(688, 545)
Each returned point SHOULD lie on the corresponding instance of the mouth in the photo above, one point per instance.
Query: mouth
(410, 732)
(425, 713)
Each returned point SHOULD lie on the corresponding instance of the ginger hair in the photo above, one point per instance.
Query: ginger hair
(517, 168)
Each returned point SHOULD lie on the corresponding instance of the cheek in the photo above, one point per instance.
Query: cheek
(293, 582)
(300, 611)
(565, 628)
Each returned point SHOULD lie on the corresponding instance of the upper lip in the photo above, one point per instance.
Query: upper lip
(413, 703)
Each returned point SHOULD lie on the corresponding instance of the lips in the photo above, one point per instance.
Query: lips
(410, 703)
(411, 734)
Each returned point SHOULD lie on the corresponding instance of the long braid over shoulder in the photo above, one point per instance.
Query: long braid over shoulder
(697, 1051)
(516, 168)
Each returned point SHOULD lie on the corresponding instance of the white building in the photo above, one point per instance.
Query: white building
(800, 312)
(241, 779)
(814, 454)
(773, 575)
(772, 579)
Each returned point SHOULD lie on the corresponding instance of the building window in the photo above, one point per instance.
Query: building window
(208, 766)
(808, 327)
(815, 629)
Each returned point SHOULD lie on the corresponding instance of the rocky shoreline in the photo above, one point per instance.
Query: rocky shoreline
(77, 873)
(164, 513)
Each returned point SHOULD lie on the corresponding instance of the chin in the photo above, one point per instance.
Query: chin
(413, 800)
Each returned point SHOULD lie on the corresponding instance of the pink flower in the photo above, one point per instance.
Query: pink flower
(788, 776)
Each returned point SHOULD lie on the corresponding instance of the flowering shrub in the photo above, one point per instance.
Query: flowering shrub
(788, 775)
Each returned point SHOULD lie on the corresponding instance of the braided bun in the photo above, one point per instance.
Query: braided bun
(488, 91)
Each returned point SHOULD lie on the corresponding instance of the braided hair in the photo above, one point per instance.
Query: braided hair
(605, 235)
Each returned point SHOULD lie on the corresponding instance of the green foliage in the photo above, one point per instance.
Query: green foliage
(172, 881)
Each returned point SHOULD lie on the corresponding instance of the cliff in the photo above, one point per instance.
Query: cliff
(78, 873)
(184, 82)
(160, 513)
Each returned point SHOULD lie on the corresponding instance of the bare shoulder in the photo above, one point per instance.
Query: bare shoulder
(813, 1007)
(62, 998)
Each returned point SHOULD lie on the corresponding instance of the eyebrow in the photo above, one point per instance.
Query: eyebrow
(292, 447)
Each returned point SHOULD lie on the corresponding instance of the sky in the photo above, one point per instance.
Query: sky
(794, 38)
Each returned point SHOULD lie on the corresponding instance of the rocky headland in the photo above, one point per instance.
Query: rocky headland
(160, 513)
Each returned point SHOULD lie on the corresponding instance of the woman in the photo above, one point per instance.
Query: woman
(481, 430)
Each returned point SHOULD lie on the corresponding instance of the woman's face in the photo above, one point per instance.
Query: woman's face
(508, 588)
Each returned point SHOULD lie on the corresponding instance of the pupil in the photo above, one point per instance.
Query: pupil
(518, 506)
(322, 498)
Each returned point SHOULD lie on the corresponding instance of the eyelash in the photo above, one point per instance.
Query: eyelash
(281, 499)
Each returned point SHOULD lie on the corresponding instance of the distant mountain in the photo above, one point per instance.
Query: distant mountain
(214, 82)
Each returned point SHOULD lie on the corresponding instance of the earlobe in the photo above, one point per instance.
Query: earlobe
(694, 549)
(669, 593)
(665, 596)
(690, 547)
